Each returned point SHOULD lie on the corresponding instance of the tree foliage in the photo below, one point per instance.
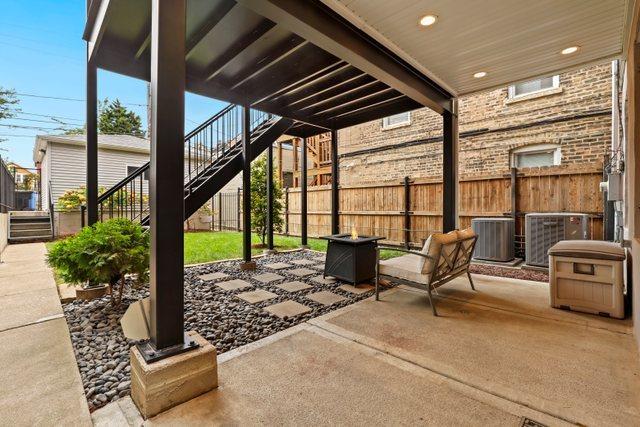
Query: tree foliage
(115, 118)
(259, 201)
(7, 100)
(103, 253)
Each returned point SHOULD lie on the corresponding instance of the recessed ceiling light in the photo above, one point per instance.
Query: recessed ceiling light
(427, 20)
(570, 50)
(479, 75)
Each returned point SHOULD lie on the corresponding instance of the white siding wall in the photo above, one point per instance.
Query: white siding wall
(68, 166)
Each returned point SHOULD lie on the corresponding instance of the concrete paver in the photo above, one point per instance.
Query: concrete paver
(213, 276)
(325, 297)
(302, 262)
(302, 272)
(232, 285)
(267, 277)
(287, 309)
(323, 280)
(294, 286)
(256, 296)
(360, 289)
(278, 265)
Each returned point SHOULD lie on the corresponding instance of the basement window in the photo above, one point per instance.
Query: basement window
(397, 120)
(132, 169)
(536, 156)
(538, 86)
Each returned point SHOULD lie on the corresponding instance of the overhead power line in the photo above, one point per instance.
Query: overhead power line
(60, 98)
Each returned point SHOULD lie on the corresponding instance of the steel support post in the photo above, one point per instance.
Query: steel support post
(449, 171)
(246, 188)
(92, 141)
(335, 180)
(270, 197)
(303, 195)
(166, 191)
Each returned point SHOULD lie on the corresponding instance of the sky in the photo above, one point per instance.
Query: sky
(42, 56)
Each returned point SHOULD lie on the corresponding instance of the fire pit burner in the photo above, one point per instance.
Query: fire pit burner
(351, 258)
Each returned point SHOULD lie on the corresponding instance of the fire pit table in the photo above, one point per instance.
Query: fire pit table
(352, 259)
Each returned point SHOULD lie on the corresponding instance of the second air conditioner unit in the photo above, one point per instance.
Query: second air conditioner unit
(543, 230)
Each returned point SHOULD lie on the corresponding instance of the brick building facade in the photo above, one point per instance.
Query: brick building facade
(568, 118)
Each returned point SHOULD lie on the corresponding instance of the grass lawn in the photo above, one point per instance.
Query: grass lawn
(213, 246)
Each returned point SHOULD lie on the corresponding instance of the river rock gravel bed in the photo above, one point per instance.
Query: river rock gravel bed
(220, 316)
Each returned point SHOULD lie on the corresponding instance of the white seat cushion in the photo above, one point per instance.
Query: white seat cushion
(405, 267)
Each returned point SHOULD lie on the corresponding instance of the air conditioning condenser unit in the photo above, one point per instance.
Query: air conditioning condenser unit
(543, 230)
(495, 239)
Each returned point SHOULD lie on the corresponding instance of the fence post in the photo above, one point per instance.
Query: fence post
(82, 209)
(220, 211)
(514, 193)
(238, 210)
(286, 211)
(407, 213)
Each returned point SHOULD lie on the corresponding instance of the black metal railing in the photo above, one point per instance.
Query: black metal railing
(214, 139)
(129, 198)
(7, 188)
(51, 211)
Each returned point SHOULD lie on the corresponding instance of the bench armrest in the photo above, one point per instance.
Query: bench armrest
(393, 248)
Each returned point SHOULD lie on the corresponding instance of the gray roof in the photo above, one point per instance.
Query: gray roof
(114, 142)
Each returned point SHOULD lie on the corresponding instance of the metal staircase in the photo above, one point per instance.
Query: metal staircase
(213, 156)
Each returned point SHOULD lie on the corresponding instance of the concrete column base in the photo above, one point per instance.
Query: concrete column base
(166, 383)
(305, 247)
(248, 265)
(269, 251)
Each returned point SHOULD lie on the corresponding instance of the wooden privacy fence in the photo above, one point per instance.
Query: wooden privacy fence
(409, 211)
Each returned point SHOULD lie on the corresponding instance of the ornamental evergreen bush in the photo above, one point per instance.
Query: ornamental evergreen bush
(103, 253)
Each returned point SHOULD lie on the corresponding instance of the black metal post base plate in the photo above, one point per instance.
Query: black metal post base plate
(151, 354)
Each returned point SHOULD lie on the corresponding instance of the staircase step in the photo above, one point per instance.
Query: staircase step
(30, 233)
(28, 239)
(27, 219)
(29, 225)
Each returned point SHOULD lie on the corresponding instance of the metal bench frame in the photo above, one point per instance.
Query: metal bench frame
(446, 269)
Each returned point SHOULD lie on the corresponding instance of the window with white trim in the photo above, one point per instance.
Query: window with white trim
(534, 86)
(397, 120)
(132, 169)
(536, 156)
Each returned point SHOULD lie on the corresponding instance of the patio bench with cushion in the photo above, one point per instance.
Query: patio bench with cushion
(442, 258)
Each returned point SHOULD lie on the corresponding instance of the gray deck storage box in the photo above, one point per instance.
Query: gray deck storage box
(586, 275)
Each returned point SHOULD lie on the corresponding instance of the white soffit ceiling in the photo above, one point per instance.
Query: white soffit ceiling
(510, 40)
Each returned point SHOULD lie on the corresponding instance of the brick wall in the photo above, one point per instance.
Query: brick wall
(576, 116)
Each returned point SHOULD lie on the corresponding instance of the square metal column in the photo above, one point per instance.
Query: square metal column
(166, 186)
(92, 141)
(247, 264)
(270, 197)
(335, 181)
(450, 171)
(303, 195)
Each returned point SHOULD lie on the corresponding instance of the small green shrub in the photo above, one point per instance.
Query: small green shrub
(103, 253)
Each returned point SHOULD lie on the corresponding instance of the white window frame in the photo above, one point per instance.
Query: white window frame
(387, 126)
(538, 148)
(556, 85)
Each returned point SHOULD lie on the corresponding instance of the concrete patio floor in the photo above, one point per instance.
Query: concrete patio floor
(491, 358)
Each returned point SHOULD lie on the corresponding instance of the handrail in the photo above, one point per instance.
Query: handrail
(210, 120)
(51, 216)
